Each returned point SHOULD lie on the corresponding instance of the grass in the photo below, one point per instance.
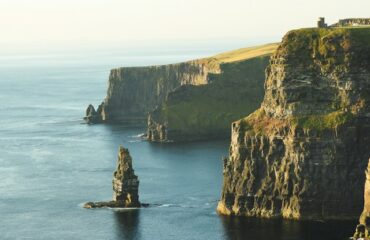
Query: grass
(259, 123)
(322, 122)
(246, 53)
(330, 45)
(242, 54)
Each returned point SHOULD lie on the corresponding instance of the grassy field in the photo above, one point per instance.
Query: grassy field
(241, 54)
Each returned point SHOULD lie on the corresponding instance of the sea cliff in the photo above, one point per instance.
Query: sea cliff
(302, 154)
(204, 112)
(187, 101)
(134, 91)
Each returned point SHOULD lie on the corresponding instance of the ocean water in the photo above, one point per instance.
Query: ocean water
(51, 163)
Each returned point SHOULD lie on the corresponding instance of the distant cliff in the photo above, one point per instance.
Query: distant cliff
(206, 111)
(302, 154)
(135, 91)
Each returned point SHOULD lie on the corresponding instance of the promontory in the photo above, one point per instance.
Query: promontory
(302, 154)
(187, 101)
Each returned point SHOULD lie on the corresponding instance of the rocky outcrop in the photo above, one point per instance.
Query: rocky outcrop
(363, 229)
(93, 116)
(125, 185)
(205, 112)
(302, 154)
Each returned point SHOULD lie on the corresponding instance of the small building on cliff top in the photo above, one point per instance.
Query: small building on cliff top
(348, 22)
(321, 23)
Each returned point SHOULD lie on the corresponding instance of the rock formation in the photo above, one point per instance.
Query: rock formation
(125, 184)
(302, 154)
(135, 91)
(205, 112)
(93, 116)
(363, 229)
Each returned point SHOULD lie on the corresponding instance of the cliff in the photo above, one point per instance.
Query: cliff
(206, 111)
(125, 184)
(301, 155)
(135, 91)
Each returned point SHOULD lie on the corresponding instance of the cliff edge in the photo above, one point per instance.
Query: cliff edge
(301, 155)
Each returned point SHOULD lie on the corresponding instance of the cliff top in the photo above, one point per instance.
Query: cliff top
(227, 57)
(317, 79)
(243, 53)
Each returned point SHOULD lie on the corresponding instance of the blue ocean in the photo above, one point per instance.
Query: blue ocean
(51, 163)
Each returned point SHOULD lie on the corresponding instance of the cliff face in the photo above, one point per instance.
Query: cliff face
(301, 155)
(203, 112)
(135, 91)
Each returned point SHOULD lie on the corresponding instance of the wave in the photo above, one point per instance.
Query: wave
(140, 135)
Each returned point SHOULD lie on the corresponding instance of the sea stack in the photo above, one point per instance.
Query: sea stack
(93, 116)
(125, 182)
(125, 185)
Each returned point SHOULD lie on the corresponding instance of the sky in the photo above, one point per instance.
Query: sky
(36, 25)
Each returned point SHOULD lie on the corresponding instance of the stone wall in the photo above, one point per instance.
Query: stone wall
(352, 22)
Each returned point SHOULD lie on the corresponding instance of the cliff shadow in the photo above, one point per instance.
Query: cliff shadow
(239, 228)
(127, 224)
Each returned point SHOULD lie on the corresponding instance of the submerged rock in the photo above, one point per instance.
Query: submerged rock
(125, 185)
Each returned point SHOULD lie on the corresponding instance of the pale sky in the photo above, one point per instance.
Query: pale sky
(27, 24)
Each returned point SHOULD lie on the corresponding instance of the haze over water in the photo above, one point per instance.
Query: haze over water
(51, 163)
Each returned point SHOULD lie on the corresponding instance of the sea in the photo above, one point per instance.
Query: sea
(51, 162)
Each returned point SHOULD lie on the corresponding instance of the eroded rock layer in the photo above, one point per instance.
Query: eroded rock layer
(205, 112)
(125, 184)
(302, 154)
(135, 91)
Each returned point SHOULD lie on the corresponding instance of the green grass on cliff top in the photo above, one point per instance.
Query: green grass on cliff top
(297, 39)
(322, 122)
(241, 54)
(246, 53)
